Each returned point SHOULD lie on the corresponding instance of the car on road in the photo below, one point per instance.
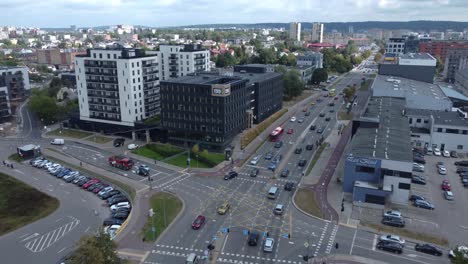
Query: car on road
(320, 130)
(119, 142)
(322, 114)
(453, 154)
(437, 152)
(446, 185)
(269, 155)
(278, 144)
(448, 195)
(253, 239)
(255, 160)
(290, 131)
(313, 127)
(392, 213)
(390, 246)
(268, 245)
(392, 221)
(231, 175)
(198, 222)
(285, 172)
(423, 204)
(132, 146)
(254, 172)
(272, 165)
(298, 150)
(417, 179)
(293, 119)
(327, 118)
(428, 249)
(278, 209)
(392, 238)
(463, 163)
(289, 186)
(331, 110)
(331, 104)
(302, 163)
(305, 109)
(223, 208)
(307, 114)
(309, 146)
(446, 153)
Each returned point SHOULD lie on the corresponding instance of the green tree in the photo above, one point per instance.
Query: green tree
(98, 38)
(459, 257)
(439, 66)
(99, 249)
(291, 60)
(44, 107)
(366, 54)
(62, 45)
(256, 43)
(319, 75)
(349, 92)
(195, 149)
(54, 86)
(293, 85)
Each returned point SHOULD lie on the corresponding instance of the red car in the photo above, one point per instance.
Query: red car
(290, 131)
(89, 183)
(304, 110)
(336, 98)
(199, 221)
(446, 185)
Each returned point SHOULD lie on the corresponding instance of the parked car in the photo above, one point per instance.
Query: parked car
(390, 246)
(269, 155)
(254, 172)
(392, 238)
(453, 154)
(298, 150)
(313, 127)
(198, 222)
(392, 213)
(423, 204)
(120, 214)
(285, 172)
(415, 197)
(320, 130)
(94, 186)
(418, 179)
(419, 160)
(79, 178)
(278, 144)
(418, 167)
(289, 186)
(440, 164)
(428, 249)
(293, 119)
(268, 245)
(463, 163)
(99, 188)
(109, 194)
(437, 152)
(310, 147)
(114, 207)
(446, 185)
(105, 190)
(230, 175)
(117, 199)
(255, 160)
(448, 195)
(462, 169)
(446, 153)
(253, 239)
(112, 221)
(132, 146)
(392, 221)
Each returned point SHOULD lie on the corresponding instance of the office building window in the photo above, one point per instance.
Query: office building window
(404, 186)
(411, 120)
(460, 147)
(365, 169)
(418, 120)
(108, 56)
(426, 121)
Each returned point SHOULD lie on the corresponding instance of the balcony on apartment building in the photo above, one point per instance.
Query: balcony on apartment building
(105, 102)
(100, 86)
(100, 64)
(101, 79)
(103, 95)
(103, 72)
(104, 116)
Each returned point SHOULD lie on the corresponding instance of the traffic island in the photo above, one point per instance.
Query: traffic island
(305, 200)
(22, 204)
(165, 208)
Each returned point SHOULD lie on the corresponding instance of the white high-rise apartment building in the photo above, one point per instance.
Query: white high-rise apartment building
(118, 86)
(180, 60)
(317, 32)
(295, 31)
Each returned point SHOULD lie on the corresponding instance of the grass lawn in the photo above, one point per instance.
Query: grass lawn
(408, 233)
(69, 133)
(163, 204)
(305, 199)
(124, 187)
(200, 162)
(15, 157)
(99, 139)
(316, 157)
(157, 151)
(21, 204)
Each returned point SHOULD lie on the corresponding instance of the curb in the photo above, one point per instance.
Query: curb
(304, 212)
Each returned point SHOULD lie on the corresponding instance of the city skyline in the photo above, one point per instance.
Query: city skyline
(87, 13)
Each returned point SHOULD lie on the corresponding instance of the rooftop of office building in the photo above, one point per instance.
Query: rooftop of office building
(389, 136)
(209, 78)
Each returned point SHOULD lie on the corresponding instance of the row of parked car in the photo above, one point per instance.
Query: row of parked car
(118, 203)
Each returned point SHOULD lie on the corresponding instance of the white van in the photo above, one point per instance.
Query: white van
(273, 192)
(115, 207)
(192, 258)
(57, 141)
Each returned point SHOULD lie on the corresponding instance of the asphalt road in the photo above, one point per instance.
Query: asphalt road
(48, 239)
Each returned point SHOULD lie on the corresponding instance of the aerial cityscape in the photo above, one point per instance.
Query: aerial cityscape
(234, 132)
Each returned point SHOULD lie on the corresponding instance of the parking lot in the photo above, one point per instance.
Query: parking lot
(447, 220)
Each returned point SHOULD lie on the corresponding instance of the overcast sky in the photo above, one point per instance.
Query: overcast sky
(160, 13)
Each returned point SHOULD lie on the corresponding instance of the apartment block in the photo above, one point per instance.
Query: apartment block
(180, 60)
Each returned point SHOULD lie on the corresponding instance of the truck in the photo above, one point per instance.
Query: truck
(121, 162)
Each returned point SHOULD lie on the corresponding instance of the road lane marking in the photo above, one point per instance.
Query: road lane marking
(29, 237)
(374, 242)
(352, 243)
(46, 240)
(61, 250)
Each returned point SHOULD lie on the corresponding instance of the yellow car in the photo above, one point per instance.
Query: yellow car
(223, 208)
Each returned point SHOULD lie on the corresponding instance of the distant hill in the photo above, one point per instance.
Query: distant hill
(420, 25)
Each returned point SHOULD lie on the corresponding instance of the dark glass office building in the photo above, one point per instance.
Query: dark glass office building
(211, 108)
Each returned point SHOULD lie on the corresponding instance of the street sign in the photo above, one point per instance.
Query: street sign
(306, 244)
(286, 235)
(245, 232)
(264, 234)
(215, 237)
(224, 230)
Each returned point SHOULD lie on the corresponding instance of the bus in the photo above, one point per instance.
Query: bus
(332, 93)
(276, 134)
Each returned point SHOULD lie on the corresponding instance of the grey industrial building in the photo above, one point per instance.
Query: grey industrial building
(461, 80)
(457, 59)
(212, 108)
(14, 87)
(416, 66)
(378, 166)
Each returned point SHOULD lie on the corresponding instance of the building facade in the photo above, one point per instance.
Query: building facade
(180, 60)
(295, 31)
(118, 86)
(14, 87)
(461, 80)
(439, 48)
(457, 59)
(395, 46)
(317, 32)
(415, 66)
(59, 58)
(212, 108)
(314, 59)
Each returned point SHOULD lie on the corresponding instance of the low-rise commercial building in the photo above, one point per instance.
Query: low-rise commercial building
(59, 58)
(416, 66)
(378, 167)
(395, 46)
